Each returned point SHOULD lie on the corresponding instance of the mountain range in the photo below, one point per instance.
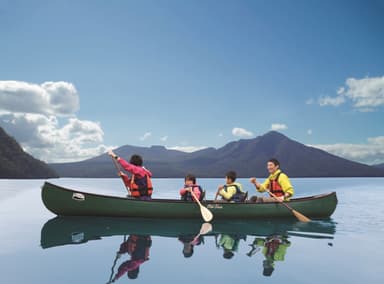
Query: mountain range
(381, 166)
(15, 163)
(248, 157)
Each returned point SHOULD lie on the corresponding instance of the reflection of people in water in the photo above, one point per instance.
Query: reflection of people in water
(138, 248)
(230, 244)
(274, 249)
(189, 242)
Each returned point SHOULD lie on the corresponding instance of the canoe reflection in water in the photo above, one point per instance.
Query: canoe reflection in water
(270, 237)
(137, 247)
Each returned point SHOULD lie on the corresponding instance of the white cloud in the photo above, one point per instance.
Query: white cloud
(366, 94)
(37, 116)
(221, 135)
(278, 126)
(340, 90)
(49, 98)
(43, 137)
(371, 152)
(310, 101)
(241, 132)
(164, 138)
(309, 131)
(188, 149)
(145, 136)
(331, 101)
(376, 140)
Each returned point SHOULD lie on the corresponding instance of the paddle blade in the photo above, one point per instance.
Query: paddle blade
(205, 228)
(207, 215)
(300, 216)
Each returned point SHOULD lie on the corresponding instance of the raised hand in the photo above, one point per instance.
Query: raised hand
(110, 153)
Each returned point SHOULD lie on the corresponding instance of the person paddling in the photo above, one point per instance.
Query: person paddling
(277, 183)
(232, 191)
(190, 185)
(140, 183)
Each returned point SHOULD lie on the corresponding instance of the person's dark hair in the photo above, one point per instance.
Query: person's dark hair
(231, 175)
(228, 254)
(136, 160)
(132, 274)
(274, 161)
(268, 268)
(188, 253)
(191, 178)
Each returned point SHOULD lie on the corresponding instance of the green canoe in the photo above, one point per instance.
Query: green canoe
(67, 202)
(73, 230)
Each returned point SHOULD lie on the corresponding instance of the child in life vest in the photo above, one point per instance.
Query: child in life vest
(232, 191)
(190, 186)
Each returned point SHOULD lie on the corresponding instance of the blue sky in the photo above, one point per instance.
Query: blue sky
(77, 77)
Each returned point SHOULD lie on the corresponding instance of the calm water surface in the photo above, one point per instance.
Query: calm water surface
(37, 247)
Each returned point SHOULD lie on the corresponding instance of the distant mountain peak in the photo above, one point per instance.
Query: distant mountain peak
(273, 134)
(158, 147)
(247, 156)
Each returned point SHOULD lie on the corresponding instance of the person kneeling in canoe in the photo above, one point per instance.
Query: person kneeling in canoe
(137, 246)
(139, 183)
(277, 183)
(191, 186)
(232, 191)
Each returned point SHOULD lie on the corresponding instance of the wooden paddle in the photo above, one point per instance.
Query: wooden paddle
(205, 229)
(118, 171)
(205, 213)
(298, 215)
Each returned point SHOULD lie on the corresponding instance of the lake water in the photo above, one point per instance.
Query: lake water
(36, 247)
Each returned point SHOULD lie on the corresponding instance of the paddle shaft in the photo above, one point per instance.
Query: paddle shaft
(114, 264)
(297, 214)
(113, 269)
(119, 170)
(197, 200)
(275, 197)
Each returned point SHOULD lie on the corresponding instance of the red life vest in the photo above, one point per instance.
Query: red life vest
(275, 187)
(272, 246)
(140, 186)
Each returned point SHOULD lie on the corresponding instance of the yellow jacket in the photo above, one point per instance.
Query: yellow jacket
(229, 243)
(283, 181)
(229, 190)
(278, 254)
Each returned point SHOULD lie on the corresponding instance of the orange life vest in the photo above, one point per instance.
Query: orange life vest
(141, 186)
(275, 187)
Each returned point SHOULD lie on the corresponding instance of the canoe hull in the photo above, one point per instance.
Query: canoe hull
(67, 202)
(73, 230)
